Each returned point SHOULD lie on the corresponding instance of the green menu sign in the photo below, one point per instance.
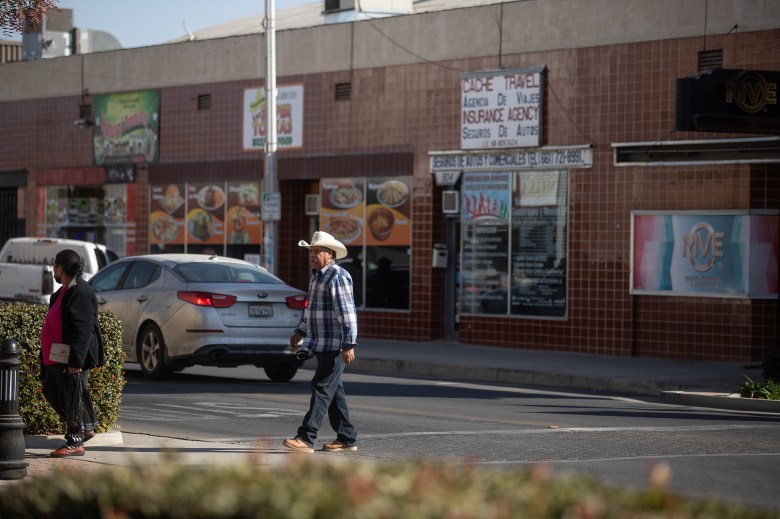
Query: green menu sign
(126, 128)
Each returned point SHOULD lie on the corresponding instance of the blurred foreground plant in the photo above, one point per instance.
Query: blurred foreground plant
(306, 488)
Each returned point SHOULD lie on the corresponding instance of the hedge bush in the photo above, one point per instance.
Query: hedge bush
(317, 489)
(23, 324)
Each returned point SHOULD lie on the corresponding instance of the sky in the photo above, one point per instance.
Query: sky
(138, 23)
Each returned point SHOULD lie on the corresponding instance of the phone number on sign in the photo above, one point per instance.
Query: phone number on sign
(537, 158)
(515, 160)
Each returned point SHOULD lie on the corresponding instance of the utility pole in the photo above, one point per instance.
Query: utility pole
(271, 197)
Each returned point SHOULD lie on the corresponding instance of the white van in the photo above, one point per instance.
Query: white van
(26, 273)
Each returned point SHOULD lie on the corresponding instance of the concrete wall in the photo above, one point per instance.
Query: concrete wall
(505, 28)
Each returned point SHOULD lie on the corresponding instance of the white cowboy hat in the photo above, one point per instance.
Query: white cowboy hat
(323, 239)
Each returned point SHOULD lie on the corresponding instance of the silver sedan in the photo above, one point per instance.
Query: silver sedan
(180, 310)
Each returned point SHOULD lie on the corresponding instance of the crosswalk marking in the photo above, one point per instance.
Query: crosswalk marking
(201, 411)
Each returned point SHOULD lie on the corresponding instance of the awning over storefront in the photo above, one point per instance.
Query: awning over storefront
(761, 150)
(13, 178)
(71, 177)
(382, 164)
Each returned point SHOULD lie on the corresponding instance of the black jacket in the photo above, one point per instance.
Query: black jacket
(80, 326)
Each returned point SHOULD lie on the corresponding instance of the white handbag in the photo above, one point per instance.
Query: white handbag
(59, 353)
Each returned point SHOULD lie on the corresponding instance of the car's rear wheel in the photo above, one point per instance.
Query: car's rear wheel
(151, 353)
(281, 372)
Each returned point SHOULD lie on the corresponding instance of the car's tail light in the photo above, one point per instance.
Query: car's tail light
(299, 302)
(208, 299)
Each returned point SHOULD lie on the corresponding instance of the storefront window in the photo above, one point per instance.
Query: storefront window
(206, 218)
(387, 277)
(513, 249)
(372, 216)
(539, 232)
(90, 213)
(485, 242)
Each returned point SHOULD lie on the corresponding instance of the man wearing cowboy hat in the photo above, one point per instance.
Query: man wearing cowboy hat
(328, 329)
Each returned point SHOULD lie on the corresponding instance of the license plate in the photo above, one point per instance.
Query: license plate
(261, 311)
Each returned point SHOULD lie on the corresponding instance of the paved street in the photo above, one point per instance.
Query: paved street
(729, 454)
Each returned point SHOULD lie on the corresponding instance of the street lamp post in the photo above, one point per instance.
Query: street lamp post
(271, 182)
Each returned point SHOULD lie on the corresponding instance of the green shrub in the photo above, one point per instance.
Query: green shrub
(23, 324)
(750, 388)
(770, 365)
(305, 489)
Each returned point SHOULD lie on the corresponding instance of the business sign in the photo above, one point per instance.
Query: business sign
(120, 174)
(502, 108)
(565, 157)
(126, 127)
(725, 100)
(289, 117)
(705, 254)
(485, 197)
(538, 188)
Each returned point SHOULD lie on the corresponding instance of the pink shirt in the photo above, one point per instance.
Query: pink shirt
(52, 328)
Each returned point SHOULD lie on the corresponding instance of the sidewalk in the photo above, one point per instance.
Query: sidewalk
(118, 449)
(684, 382)
(693, 383)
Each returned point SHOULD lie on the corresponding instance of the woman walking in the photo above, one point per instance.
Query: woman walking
(71, 344)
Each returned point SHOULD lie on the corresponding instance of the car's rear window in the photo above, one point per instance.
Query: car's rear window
(203, 272)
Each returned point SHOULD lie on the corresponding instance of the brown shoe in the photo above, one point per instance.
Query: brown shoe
(68, 450)
(297, 444)
(339, 445)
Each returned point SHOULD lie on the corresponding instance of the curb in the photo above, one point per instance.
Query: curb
(721, 401)
(667, 392)
(105, 439)
(512, 376)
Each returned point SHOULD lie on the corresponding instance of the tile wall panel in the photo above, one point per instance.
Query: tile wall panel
(597, 96)
(622, 94)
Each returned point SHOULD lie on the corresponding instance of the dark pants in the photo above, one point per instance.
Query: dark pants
(55, 379)
(328, 397)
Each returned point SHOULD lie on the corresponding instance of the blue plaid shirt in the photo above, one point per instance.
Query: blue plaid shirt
(330, 321)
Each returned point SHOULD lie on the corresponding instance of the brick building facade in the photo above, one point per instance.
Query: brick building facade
(603, 86)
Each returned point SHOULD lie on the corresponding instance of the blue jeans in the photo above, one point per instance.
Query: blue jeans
(328, 397)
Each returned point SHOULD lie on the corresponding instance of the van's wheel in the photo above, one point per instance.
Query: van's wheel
(281, 372)
(151, 353)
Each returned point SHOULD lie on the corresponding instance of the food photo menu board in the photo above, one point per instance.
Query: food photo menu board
(210, 214)
(342, 212)
(166, 221)
(367, 211)
(206, 214)
(243, 224)
(388, 211)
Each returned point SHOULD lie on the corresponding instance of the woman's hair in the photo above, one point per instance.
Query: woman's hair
(70, 261)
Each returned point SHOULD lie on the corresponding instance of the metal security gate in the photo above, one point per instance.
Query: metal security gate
(8, 220)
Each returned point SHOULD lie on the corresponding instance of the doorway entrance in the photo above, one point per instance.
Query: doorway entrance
(452, 279)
